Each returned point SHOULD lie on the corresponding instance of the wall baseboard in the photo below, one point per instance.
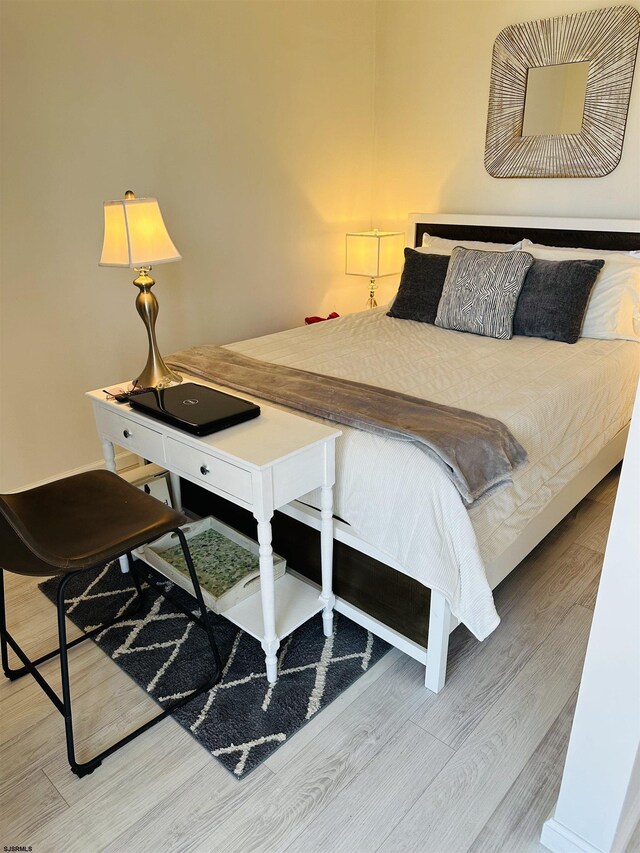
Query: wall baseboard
(124, 460)
(559, 838)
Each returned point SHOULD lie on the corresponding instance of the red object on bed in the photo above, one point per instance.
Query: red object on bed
(309, 320)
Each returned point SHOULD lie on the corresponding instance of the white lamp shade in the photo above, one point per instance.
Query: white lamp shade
(374, 253)
(135, 234)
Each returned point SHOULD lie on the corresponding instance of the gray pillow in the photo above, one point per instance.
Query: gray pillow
(481, 291)
(554, 298)
(420, 287)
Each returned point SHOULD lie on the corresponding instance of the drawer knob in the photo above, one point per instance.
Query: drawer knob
(204, 470)
(126, 433)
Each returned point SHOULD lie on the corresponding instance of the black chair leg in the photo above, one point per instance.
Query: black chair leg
(203, 610)
(88, 766)
(81, 768)
(4, 654)
(64, 705)
(29, 666)
(202, 620)
(84, 768)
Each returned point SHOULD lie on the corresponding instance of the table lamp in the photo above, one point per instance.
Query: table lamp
(374, 254)
(135, 236)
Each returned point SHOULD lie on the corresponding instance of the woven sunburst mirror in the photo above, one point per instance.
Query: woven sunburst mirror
(606, 39)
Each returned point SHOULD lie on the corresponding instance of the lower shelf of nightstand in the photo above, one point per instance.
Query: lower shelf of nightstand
(296, 602)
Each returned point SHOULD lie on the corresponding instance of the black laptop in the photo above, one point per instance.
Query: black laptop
(194, 408)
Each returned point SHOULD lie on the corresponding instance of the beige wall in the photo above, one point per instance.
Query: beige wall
(251, 122)
(433, 66)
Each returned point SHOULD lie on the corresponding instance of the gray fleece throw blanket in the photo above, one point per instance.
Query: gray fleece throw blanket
(476, 453)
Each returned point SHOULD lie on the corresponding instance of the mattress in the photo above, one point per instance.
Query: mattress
(562, 402)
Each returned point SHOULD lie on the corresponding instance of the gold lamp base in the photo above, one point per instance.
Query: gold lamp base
(155, 374)
(371, 302)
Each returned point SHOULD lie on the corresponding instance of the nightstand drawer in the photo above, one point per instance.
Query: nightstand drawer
(209, 470)
(132, 435)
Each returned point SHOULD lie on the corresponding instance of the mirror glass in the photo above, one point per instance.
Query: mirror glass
(554, 100)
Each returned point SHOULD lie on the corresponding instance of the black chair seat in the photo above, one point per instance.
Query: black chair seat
(78, 522)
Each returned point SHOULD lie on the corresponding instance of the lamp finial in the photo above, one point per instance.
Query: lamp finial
(129, 194)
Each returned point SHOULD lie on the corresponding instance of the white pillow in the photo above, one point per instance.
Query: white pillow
(441, 246)
(634, 253)
(615, 298)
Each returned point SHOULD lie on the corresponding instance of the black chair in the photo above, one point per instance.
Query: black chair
(70, 526)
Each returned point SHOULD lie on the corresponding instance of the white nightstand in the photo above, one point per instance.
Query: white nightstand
(260, 465)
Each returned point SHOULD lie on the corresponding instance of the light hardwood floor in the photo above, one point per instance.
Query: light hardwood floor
(388, 766)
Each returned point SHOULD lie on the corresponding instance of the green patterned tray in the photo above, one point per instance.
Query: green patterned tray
(226, 562)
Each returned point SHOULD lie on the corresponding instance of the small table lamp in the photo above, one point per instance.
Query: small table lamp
(374, 254)
(135, 236)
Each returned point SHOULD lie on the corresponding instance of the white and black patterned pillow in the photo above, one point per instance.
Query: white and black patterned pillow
(481, 291)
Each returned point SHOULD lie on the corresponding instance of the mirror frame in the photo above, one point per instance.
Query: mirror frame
(608, 40)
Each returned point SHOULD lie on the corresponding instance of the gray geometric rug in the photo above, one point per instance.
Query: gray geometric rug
(243, 719)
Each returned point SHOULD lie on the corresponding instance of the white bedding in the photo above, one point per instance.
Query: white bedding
(562, 402)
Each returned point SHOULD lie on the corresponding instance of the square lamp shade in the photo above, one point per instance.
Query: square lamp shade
(135, 234)
(374, 253)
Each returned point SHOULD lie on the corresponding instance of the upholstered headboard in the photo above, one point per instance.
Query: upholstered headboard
(621, 234)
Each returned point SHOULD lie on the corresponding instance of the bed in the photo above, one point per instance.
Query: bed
(400, 525)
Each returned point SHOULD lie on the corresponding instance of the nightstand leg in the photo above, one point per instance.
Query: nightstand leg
(326, 555)
(270, 642)
(109, 455)
(176, 491)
